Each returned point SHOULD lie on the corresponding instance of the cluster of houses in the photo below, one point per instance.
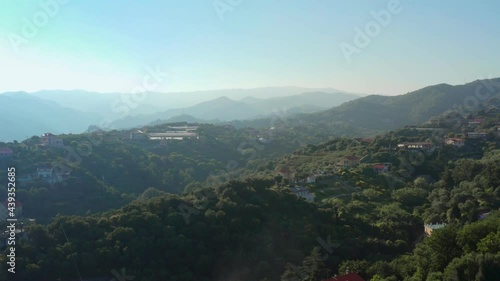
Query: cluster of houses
(174, 133)
(295, 186)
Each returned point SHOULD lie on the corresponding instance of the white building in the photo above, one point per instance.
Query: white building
(49, 139)
(311, 179)
(303, 192)
(45, 173)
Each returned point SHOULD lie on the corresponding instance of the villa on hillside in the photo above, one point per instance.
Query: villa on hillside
(476, 122)
(173, 135)
(139, 135)
(477, 135)
(302, 192)
(429, 228)
(381, 168)
(6, 152)
(348, 161)
(311, 179)
(286, 174)
(45, 173)
(456, 142)
(184, 128)
(49, 139)
(416, 146)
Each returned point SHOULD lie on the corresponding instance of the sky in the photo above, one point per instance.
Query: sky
(108, 46)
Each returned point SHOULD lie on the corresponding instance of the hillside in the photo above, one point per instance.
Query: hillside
(374, 114)
(368, 222)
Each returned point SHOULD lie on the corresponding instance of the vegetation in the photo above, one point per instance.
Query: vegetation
(215, 208)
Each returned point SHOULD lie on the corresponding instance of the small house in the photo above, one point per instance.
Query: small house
(302, 192)
(429, 228)
(348, 161)
(456, 142)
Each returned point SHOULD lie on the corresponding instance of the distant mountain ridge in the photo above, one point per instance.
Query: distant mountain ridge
(27, 114)
(226, 109)
(23, 116)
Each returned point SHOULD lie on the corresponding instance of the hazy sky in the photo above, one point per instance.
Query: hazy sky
(107, 45)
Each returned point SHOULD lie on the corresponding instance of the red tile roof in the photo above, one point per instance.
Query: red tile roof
(347, 277)
(353, 158)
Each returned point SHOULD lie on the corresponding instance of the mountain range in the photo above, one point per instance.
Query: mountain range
(74, 111)
(28, 114)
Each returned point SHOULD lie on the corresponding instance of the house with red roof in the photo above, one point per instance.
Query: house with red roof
(381, 168)
(347, 277)
(456, 142)
(286, 174)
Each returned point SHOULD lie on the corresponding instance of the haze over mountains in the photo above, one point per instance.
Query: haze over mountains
(74, 111)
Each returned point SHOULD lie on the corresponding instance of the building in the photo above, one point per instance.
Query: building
(286, 174)
(173, 135)
(482, 216)
(49, 139)
(476, 122)
(184, 128)
(347, 277)
(456, 142)
(139, 135)
(4, 209)
(311, 179)
(429, 228)
(45, 173)
(303, 192)
(477, 135)
(381, 168)
(416, 145)
(6, 152)
(348, 161)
